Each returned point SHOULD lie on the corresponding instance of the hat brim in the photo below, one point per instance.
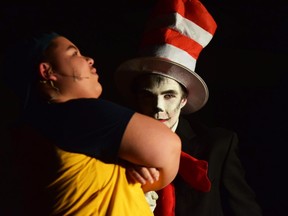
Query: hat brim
(197, 89)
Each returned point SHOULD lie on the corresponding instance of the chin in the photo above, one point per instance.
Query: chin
(98, 91)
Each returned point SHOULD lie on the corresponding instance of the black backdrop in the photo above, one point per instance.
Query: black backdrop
(244, 67)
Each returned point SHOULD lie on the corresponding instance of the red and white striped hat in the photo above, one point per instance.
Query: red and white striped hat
(176, 33)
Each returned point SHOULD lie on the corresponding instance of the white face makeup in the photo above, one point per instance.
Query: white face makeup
(161, 98)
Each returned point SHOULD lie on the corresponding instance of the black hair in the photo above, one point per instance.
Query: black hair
(19, 66)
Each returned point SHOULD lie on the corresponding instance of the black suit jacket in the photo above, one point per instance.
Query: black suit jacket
(230, 194)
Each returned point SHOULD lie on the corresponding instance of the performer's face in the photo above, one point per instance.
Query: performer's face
(161, 98)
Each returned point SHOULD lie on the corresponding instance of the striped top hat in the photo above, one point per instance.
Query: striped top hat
(176, 33)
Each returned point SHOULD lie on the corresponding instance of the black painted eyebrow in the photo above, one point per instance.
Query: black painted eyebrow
(146, 90)
(169, 92)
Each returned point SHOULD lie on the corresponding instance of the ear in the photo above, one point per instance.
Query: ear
(183, 102)
(46, 72)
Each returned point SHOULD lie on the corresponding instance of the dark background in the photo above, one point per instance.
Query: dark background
(244, 66)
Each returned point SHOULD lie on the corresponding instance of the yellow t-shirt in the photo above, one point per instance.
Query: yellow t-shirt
(86, 186)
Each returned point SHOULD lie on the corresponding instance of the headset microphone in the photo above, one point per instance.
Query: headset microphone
(74, 77)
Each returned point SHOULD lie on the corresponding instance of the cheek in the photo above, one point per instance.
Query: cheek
(173, 108)
(79, 67)
(145, 104)
(175, 113)
(65, 67)
(145, 109)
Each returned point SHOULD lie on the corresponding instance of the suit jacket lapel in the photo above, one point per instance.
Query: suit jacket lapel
(188, 136)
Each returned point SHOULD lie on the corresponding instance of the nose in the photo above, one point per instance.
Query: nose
(159, 104)
(89, 60)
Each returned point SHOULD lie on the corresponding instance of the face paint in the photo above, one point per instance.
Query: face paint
(160, 98)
